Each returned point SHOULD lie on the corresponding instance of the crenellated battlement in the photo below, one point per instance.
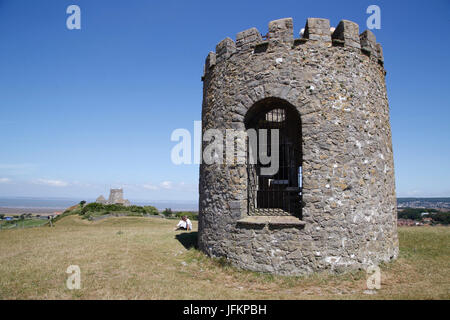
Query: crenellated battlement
(281, 33)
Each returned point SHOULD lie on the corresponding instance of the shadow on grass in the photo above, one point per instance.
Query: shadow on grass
(188, 240)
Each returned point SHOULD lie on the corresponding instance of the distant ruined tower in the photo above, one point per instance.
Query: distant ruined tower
(115, 197)
(332, 203)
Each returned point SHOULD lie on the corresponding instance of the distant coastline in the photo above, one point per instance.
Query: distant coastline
(18, 205)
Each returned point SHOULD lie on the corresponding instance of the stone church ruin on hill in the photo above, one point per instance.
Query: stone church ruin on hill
(332, 203)
(115, 197)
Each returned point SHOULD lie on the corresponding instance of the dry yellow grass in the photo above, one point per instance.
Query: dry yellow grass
(143, 258)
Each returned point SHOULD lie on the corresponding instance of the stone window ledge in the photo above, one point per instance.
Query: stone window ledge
(271, 221)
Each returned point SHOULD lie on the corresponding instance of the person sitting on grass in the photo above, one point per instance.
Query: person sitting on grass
(184, 224)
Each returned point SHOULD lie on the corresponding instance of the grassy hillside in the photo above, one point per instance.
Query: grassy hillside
(143, 258)
(26, 223)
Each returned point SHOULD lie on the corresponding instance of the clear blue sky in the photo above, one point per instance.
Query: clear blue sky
(85, 110)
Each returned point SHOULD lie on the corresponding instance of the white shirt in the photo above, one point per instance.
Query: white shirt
(183, 224)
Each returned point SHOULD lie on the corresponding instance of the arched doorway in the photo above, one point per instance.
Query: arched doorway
(278, 193)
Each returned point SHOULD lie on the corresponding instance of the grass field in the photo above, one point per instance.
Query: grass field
(143, 258)
(27, 223)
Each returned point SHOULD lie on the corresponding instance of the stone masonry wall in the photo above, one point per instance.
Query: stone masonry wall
(336, 82)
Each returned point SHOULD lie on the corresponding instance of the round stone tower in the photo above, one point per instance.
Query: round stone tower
(330, 203)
